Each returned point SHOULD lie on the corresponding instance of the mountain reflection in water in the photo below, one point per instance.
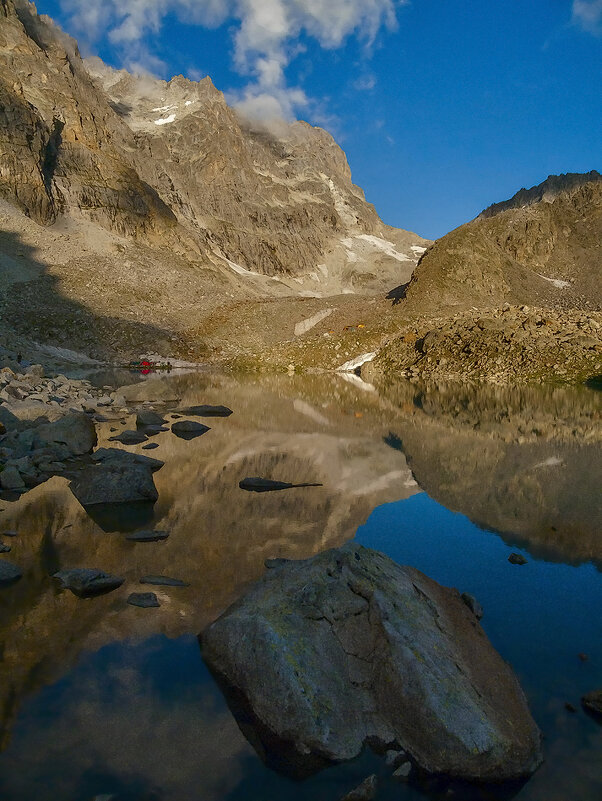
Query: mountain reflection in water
(101, 697)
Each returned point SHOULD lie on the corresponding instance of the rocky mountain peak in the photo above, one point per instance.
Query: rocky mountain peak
(545, 192)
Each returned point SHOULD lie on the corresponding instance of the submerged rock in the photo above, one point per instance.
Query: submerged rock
(592, 703)
(163, 581)
(348, 648)
(147, 536)
(9, 573)
(208, 411)
(188, 429)
(87, 582)
(366, 791)
(145, 600)
(257, 484)
(129, 438)
(147, 417)
(517, 559)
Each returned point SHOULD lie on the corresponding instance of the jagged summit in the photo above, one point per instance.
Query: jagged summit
(170, 165)
(546, 191)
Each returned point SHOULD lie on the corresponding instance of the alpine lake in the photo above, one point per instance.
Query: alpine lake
(104, 701)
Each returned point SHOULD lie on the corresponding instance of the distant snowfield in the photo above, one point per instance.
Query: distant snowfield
(555, 281)
(353, 243)
(418, 249)
(353, 364)
(165, 120)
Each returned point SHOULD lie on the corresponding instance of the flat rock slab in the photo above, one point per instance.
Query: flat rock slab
(147, 536)
(189, 429)
(10, 534)
(348, 648)
(208, 411)
(257, 484)
(150, 446)
(163, 581)
(117, 455)
(9, 573)
(87, 582)
(129, 438)
(145, 600)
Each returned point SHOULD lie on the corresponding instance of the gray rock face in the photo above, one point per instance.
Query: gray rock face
(73, 435)
(349, 647)
(9, 573)
(86, 582)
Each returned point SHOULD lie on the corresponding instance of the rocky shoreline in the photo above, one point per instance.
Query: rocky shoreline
(507, 345)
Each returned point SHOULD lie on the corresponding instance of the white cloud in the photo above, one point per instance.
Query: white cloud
(588, 15)
(265, 39)
(364, 83)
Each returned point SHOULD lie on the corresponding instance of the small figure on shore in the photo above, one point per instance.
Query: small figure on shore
(19, 357)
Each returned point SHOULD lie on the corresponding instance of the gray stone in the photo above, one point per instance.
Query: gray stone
(145, 600)
(147, 536)
(118, 455)
(348, 647)
(403, 771)
(208, 411)
(393, 759)
(9, 573)
(117, 477)
(366, 791)
(129, 438)
(4, 548)
(10, 533)
(73, 435)
(10, 479)
(150, 446)
(257, 484)
(189, 428)
(592, 703)
(87, 582)
(147, 417)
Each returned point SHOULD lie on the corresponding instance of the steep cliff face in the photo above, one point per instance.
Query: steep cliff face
(540, 248)
(63, 150)
(172, 165)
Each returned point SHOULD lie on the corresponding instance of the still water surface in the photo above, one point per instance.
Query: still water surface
(98, 698)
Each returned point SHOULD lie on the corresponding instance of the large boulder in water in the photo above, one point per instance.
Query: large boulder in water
(325, 655)
(117, 477)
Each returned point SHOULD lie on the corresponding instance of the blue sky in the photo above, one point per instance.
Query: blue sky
(442, 106)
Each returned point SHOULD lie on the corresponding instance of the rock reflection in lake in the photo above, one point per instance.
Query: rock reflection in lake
(522, 464)
(526, 462)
